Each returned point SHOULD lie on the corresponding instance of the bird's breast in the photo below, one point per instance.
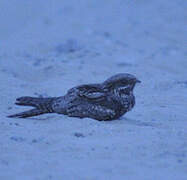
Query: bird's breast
(127, 101)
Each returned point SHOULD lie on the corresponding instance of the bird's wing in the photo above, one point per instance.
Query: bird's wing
(92, 92)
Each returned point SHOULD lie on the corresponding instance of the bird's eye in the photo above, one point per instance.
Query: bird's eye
(122, 91)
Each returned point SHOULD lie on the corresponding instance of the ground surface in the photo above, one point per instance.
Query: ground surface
(48, 47)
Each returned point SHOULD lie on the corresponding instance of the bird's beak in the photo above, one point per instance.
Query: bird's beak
(138, 81)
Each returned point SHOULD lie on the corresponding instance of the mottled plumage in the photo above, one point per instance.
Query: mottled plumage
(106, 101)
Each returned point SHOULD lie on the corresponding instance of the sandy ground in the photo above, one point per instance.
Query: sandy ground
(49, 47)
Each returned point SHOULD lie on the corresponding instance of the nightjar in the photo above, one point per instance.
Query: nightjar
(105, 101)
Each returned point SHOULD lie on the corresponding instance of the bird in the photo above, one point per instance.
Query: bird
(104, 101)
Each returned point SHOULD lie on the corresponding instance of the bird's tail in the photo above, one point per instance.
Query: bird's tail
(41, 106)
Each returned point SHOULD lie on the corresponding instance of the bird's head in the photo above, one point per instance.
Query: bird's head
(123, 83)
